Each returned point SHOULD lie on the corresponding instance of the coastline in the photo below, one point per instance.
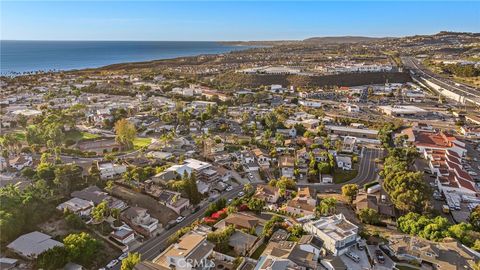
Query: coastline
(171, 50)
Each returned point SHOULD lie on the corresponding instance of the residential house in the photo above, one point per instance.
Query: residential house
(287, 166)
(291, 132)
(109, 170)
(123, 234)
(326, 178)
(21, 161)
(377, 202)
(191, 252)
(77, 206)
(263, 159)
(286, 255)
(140, 220)
(30, 245)
(303, 203)
(95, 195)
(267, 193)
(242, 221)
(349, 144)
(242, 243)
(311, 123)
(312, 244)
(448, 254)
(248, 161)
(174, 201)
(337, 233)
(344, 162)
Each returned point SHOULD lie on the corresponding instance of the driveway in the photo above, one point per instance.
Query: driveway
(388, 265)
(363, 264)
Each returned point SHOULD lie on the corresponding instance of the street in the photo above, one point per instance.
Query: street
(154, 246)
(366, 172)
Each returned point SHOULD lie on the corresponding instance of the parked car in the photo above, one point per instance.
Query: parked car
(354, 257)
(380, 257)
(123, 256)
(180, 219)
(229, 188)
(229, 201)
(112, 263)
(241, 193)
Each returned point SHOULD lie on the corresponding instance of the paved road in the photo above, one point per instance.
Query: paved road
(461, 89)
(366, 172)
(154, 246)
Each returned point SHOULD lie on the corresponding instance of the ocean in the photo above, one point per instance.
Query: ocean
(17, 57)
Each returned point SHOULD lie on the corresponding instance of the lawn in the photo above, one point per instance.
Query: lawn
(18, 135)
(141, 142)
(80, 135)
(341, 176)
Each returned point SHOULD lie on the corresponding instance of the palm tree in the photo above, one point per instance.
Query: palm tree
(247, 188)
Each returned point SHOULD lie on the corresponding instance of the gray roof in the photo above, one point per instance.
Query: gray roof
(32, 244)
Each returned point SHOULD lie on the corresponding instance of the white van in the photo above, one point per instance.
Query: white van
(354, 257)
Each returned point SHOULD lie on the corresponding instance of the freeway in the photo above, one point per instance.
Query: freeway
(468, 92)
(154, 246)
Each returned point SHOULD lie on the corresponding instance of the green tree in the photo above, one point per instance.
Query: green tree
(248, 188)
(131, 260)
(323, 167)
(350, 191)
(81, 247)
(100, 211)
(125, 133)
(255, 204)
(327, 206)
(369, 216)
(474, 218)
(53, 259)
(67, 176)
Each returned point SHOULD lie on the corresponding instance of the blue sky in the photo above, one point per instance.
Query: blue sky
(249, 20)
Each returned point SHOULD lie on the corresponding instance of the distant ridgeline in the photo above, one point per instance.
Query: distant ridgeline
(350, 79)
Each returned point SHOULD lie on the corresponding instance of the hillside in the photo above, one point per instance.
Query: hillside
(341, 40)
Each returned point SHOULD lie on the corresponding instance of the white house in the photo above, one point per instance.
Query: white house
(139, 217)
(77, 206)
(338, 234)
(110, 170)
(123, 234)
(344, 162)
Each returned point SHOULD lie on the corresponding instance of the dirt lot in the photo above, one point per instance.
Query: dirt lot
(156, 210)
